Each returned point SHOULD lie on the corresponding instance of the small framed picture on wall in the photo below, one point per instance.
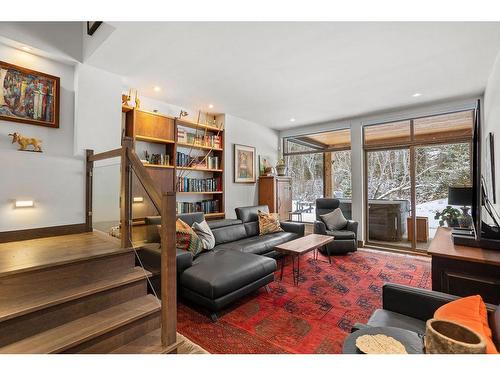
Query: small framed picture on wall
(244, 164)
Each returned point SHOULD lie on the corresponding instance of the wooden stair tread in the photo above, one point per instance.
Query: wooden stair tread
(148, 344)
(22, 256)
(17, 307)
(68, 335)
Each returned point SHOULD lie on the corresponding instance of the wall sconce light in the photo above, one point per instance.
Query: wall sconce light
(138, 199)
(24, 204)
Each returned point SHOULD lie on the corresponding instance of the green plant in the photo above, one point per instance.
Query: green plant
(449, 215)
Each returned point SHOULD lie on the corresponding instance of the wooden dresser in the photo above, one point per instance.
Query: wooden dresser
(276, 192)
(464, 270)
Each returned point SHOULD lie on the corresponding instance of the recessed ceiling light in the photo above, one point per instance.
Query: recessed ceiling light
(157, 88)
(292, 120)
(26, 48)
(416, 95)
(210, 106)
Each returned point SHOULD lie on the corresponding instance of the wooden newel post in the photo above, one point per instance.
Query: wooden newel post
(89, 174)
(168, 271)
(125, 197)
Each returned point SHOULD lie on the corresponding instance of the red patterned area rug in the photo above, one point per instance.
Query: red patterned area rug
(314, 317)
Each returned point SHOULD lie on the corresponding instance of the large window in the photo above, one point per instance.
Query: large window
(320, 166)
(410, 167)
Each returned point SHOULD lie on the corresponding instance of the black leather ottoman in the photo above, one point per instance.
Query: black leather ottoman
(218, 278)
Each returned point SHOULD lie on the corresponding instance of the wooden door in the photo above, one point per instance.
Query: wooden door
(284, 198)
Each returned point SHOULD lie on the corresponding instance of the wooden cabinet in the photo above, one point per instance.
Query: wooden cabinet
(276, 192)
(422, 228)
(464, 270)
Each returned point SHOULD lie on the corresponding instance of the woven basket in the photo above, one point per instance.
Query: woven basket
(447, 337)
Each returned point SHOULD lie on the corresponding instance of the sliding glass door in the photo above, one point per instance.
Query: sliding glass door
(410, 167)
(389, 197)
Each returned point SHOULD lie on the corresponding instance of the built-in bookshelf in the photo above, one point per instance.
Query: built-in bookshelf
(200, 165)
(181, 155)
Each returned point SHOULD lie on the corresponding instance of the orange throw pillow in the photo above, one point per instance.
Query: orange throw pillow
(470, 312)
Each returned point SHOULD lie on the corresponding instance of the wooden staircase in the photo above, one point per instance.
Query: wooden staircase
(76, 294)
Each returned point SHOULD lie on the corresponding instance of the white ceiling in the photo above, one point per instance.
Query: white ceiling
(313, 72)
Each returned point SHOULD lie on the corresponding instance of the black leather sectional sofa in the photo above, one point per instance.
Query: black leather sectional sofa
(241, 262)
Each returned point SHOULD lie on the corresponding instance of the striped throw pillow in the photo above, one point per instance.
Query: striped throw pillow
(268, 223)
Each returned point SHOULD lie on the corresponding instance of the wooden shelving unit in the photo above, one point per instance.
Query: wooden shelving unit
(155, 128)
(200, 169)
(147, 165)
(201, 147)
(153, 139)
(194, 125)
(200, 129)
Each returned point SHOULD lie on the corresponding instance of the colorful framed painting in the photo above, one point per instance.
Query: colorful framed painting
(244, 164)
(28, 96)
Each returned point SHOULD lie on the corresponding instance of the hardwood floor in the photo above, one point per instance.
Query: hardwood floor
(21, 256)
(78, 293)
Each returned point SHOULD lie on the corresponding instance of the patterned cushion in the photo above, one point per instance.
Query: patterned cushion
(205, 234)
(268, 223)
(186, 238)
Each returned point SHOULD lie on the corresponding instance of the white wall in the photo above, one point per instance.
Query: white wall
(98, 110)
(491, 121)
(265, 141)
(357, 154)
(54, 179)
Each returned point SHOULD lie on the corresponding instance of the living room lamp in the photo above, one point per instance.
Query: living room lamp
(460, 196)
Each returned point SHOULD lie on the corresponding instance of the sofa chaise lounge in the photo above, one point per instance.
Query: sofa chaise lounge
(241, 262)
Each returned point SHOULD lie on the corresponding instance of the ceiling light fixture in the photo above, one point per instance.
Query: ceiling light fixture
(26, 48)
(292, 120)
(157, 88)
(416, 95)
(210, 106)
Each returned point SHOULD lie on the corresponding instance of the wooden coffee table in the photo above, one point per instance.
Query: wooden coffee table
(301, 246)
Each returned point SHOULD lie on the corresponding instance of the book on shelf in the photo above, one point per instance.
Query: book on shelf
(206, 206)
(213, 162)
(194, 139)
(185, 184)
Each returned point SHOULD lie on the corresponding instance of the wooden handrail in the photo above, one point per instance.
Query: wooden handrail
(105, 155)
(166, 205)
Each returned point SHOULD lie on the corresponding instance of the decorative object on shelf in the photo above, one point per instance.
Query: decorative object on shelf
(447, 337)
(137, 100)
(244, 164)
(281, 168)
(183, 114)
(25, 142)
(379, 344)
(449, 215)
(266, 166)
(29, 96)
(126, 98)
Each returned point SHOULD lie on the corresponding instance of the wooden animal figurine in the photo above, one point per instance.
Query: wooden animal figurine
(25, 142)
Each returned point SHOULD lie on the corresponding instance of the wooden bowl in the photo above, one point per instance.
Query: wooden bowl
(447, 337)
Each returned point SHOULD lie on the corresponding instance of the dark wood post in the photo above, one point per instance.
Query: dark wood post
(168, 271)
(89, 174)
(125, 198)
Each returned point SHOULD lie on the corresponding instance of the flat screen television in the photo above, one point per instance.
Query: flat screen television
(485, 218)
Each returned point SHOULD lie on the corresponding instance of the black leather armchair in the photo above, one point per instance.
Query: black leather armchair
(409, 308)
(345, 240)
